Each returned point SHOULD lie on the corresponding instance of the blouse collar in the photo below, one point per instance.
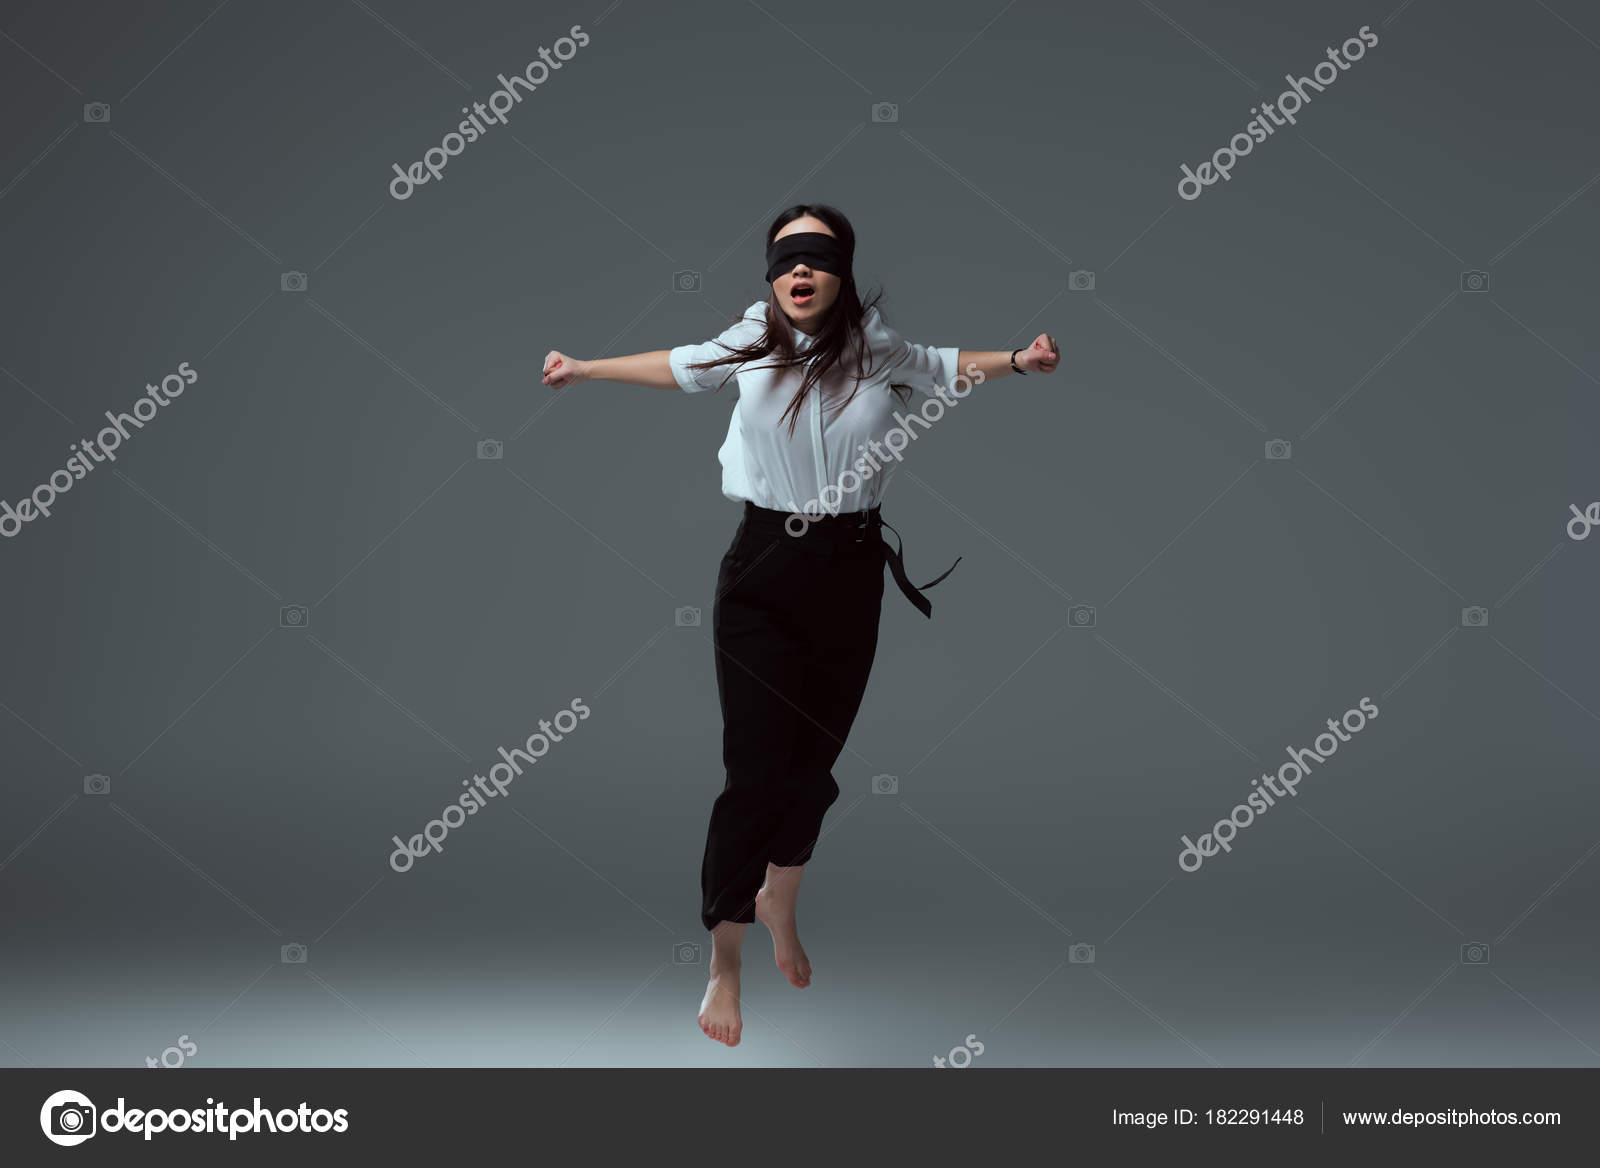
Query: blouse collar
(803, 341)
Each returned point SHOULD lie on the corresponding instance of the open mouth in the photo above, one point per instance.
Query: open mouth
(801, 293)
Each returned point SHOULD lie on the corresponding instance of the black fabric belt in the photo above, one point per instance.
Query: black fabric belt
(844, 534)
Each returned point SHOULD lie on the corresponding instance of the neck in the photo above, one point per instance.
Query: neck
(812, 328)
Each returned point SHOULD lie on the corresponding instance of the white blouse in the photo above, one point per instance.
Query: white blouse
(761, 463)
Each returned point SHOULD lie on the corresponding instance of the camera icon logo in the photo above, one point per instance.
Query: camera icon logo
(1081, 954)
(490, 448)
(97, 111)
(1475, 953)
(687, 280)
(1279, 448)
(885, 111)
(96, 785)
(293, 282)
(1080, 281)
(885, 785)
(68, 1118)
(294, 616)
(1474, 281)
(293, 953)
(686, 953)
(686, 618)
(1475, 617)
(1081, 616)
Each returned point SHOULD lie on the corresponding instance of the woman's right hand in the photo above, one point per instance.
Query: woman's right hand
(561, 371)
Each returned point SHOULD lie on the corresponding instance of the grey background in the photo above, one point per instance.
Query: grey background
(327, 458)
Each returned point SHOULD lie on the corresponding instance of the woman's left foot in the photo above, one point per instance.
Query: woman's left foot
(719, 1009)
(775, 910)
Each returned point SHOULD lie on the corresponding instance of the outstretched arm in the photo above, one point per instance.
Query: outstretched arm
(927, 367)
(650, 370)
(661, 368)
(1039, 357)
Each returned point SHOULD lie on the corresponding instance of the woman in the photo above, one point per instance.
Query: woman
(823, 383)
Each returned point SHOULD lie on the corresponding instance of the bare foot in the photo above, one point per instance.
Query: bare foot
(775, 908)
(719, 1010)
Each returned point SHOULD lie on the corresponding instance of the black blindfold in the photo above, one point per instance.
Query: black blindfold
(816, 250)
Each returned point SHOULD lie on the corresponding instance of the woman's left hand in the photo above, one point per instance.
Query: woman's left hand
(1041, 356)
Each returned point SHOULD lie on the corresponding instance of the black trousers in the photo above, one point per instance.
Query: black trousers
(795, 629)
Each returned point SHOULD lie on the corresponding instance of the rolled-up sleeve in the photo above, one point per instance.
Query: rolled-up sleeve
(742, 332)
(923, 367)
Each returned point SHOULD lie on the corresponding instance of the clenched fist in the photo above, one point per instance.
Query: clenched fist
(1041, 356)
(560, 370)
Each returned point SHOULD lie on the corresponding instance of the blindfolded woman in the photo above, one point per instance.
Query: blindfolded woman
(823, 417)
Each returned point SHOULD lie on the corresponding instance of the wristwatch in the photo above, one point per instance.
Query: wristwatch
(1015, 368)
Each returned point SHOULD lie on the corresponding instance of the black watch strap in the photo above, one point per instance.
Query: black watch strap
(1014, 367)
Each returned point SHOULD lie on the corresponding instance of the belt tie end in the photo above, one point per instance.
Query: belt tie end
(897, 568)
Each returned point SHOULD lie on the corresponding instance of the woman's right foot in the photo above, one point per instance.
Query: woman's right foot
(719, 1009)
(775, 909)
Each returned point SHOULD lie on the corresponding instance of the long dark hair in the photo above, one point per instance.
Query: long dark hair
(840, 339)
